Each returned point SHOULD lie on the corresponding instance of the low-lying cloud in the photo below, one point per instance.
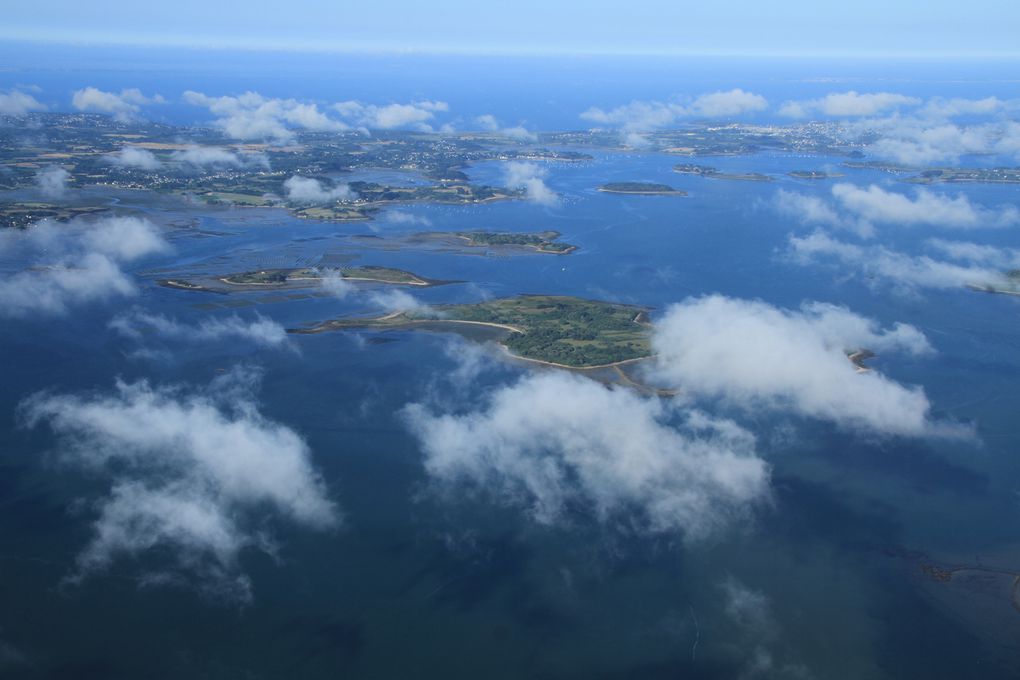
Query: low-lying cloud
(260, 330)
(553, 441)
(859, 209)
(124, 107)
(134, 157)
(309, 191)
(196, 472)
(982, 265)
(643, 116)
(52, 182)
(18, 103)
(848, 104)
(529, 177)
(754, 355)
(75, 263)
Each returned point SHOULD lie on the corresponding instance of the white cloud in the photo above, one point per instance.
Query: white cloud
(252, 116)
(52, 181)
(17, 103)
(387, 300)
(925, 141)
(194, 471)
(528, 176)
(260, 331)
(401, 217)
(211, 156)
(311, 191)
(754, 355)
(757, 634)
(74, 263)
(847, 104)
(134, 157)
(518, 132)
(728, 104)
(554, 440)
(642, 116)
(123, 107)
(909, 271)
(939, 107)
(860, 208)
(391, 116)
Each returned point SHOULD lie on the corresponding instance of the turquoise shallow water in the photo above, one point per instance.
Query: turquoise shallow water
(416, 583)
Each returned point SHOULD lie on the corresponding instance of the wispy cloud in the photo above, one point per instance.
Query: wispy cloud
(306, 190)
(76, 263)
(259, 330)
(134, 157)
(643, 116)
(192, 471)
(848, 105)
(18, 103)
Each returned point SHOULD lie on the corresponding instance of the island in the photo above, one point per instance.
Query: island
(713, 173)
(539, 242)
(563, 331)
(814, 174)
(641, 189)
(300, 277)
(967, 175)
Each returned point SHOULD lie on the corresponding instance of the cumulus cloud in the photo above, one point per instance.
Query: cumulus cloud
(940, 107)
(490, 123)
(528, 176)
(754, 355)
(123, 107)
(260, 330)
(860, 208)
(17, 103)
(306, 190)
(194, 472)
(52, 181)
(848, 104)
(134, 157)
(252, 116)
(74, 263)
(922, 141)
(982, 265)
(555, 440)
(642, 116)
(213, 156)
(391, 116)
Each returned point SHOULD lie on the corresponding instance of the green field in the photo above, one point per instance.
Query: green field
(269, 277)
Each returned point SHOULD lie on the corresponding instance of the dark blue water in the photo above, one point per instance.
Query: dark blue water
(417, 584)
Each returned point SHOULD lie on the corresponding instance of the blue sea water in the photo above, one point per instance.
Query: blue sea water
(418, 584)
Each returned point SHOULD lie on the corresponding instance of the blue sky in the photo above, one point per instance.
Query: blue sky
(778, 27)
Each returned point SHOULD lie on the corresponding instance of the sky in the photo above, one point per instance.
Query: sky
(985, 28)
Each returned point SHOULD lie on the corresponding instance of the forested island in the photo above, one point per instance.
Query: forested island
(713, 173)
(641, 188)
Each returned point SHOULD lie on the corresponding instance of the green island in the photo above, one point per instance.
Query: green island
(641, 188)
(301, 277)
(563, 331)
(539, 242)
(713, 173)
(814, 174)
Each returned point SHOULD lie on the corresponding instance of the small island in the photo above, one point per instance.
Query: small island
(641, 189)
(300, 277)
(563, 331)
(539, 242)
(713, 173)
(815, 174)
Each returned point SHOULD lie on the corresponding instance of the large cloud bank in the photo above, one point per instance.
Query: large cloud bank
(555, 440)
(755, 355)
(75, 263)
(193, 472)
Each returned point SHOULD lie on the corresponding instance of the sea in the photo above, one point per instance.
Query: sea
(416, 583)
